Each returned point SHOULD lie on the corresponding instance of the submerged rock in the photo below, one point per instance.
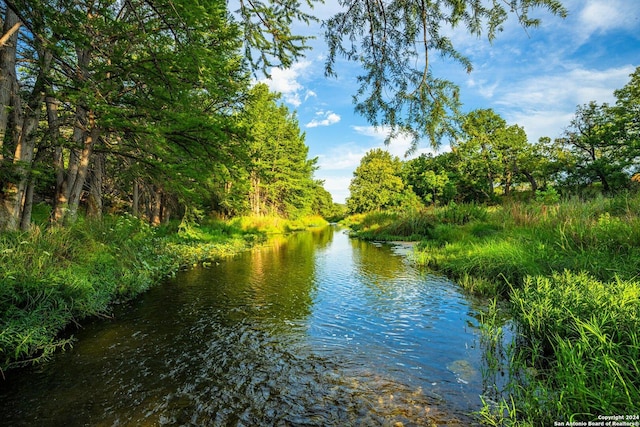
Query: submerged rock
(463, 370)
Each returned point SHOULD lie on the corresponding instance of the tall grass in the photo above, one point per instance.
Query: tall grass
(412, 224)
(587, 335)
(53, 277)
(570, 271)
(264, 225)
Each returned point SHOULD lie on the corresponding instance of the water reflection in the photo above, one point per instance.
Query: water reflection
(317, 329)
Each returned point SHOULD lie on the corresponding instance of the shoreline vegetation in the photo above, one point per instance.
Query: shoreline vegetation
(54, 277)
(569, 273)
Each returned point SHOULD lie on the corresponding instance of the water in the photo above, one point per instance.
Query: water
(314, 330)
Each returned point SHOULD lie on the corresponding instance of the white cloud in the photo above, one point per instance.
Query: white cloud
(398, 146)
(324, 118)
(344, 157)
(286, 82)
(544, 105)
(539, 123)
(486, 89)
(606, 15)
(338, 186)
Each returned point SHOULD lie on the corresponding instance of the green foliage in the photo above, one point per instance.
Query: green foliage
(267, 32)
(577, 346)
(50, 278)
(376, 183)
(460, 214)
(587, 331)
(281, 176)
(626, 114)
(597, 155)
(388, 225)
(431, 178)
(397, 87)
(548, 196)
(264, 225)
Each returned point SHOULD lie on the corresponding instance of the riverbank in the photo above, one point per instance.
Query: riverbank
(53, 277)
(570, 273)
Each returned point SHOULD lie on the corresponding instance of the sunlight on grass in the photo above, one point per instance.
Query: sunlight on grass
(569, 269)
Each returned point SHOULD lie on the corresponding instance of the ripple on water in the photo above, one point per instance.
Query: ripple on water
(345, 333)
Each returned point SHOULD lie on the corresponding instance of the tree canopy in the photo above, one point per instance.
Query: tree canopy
(491, 159)
(376, 183)
(281, 176)
(141, 103)
(394, 42)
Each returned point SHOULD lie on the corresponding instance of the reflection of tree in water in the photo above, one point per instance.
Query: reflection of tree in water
(377, 261)
(282, 277)
(232, 344)
(323, 236)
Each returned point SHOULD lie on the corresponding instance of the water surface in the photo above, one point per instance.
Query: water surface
(314, 330)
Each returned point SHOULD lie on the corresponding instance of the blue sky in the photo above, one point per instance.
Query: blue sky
(534, 78)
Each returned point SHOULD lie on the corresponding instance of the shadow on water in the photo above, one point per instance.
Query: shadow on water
(316, 329)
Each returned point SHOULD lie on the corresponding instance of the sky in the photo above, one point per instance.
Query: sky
(534, 78)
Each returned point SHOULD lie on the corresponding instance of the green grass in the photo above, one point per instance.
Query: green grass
(51, 277)
(570, 272)
(586, 335)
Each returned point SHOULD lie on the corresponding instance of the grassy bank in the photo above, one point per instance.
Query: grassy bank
(53, 277)
(570, 272)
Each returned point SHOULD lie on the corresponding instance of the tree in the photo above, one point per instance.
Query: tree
(512, 149)
(395, 41)
(324, 206)
(281, 176)
(376, 183)
(19, 120)
(626, 117)
(153, 85)
(478, 151)
(429, 178)
(533, 164)
(266, 26)
(597, 155)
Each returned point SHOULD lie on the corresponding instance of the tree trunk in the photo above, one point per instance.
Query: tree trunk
(95, 205)
(255, 194)
(27, 209)
(507, 183)
(156, 207)
(532, 181)
(85, 135)
(604, 181)
(8, 79)
(60, 197)
(135, 204)
(28, 121)
(8, 87)
(89, 140)
(25, 123)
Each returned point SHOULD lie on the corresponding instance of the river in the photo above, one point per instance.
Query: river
(313, 330)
